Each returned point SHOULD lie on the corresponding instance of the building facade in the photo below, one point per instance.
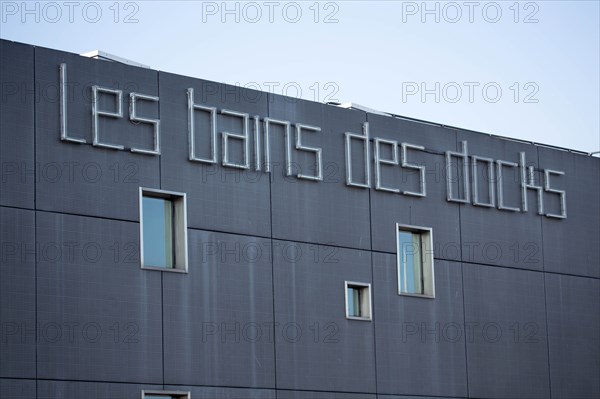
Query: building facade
(166, 236)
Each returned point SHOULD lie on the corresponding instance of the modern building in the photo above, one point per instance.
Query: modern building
(164, 236)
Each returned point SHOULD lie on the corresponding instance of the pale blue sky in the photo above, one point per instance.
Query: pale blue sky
(374, 55)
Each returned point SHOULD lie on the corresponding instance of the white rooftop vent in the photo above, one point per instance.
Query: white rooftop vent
(101, 55)
(351, 105)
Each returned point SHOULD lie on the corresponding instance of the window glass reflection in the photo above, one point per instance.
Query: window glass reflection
(410, 262)
(157, 214)
(353, 302)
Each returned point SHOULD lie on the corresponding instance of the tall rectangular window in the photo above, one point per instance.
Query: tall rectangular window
(354, 301)
(415, 261)
(163, 230)
(157, 214)
(410, 276)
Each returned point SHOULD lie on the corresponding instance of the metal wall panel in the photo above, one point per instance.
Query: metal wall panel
(574, 344)
(16, 125)
(420, 342)
(571, 244)
(499, 237)
(434, 211)
(218, 318)
(17, 293)
(321, 395)
(219, 198)
(224, 393)
(79, 178)
(505, 318)
(317, 348)
(99, 314)
(411, 397)
(95, 390)
(323, 212)
(17, 389)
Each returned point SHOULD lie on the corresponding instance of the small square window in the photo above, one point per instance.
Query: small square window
(358, 301)
(165, 395)
(163, 230)
(415, 261)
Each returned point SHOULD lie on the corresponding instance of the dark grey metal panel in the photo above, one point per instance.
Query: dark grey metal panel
(224, 393)
(411, 397)
(434, 211)
(17, 389)
(16, 125)
(317, 348)
(573, 328)
(434, 138)
(505, 320)
(95, 390)
(80, 178)
(420, 342)
(99, 314)
(17, 293)
(571, 244)
(499, 237)
(321, 395)
(220, 198)
(325, 212)
(219, 317)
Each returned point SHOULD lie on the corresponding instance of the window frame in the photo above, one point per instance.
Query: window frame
(180, 240)
(427, 259)
(363, 306)
(177, 394)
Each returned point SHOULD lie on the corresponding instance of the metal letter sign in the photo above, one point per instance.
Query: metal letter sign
(466, 178)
